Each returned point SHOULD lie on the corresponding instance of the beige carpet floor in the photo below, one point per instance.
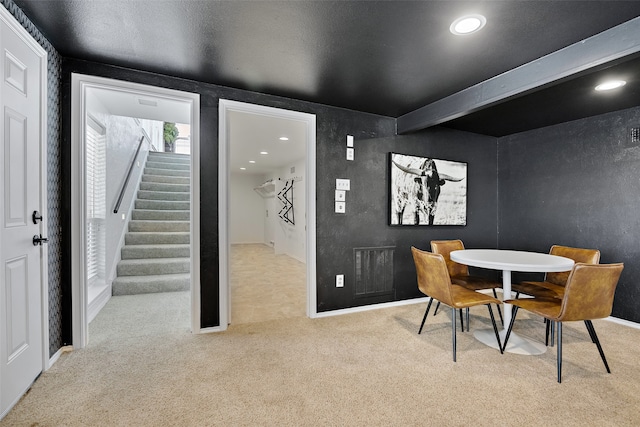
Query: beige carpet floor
(265, 286)
(362, 369)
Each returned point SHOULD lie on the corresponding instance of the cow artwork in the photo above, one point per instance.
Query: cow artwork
(419, 195)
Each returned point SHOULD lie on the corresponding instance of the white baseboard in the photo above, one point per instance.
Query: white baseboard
(98, 302)
(371, 307)
(53, 359)
(623, 322)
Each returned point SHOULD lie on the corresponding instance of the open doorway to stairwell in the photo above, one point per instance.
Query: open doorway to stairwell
(135, 230)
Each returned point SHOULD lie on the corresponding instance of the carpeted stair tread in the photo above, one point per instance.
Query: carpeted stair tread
(164, 195)
(154, 238)
(156, 251)
(167, 172)
(163, 186)
(134, 285)
(160, 215)
(162, 204)
(151, 266)
(166, 179)
(159, 226)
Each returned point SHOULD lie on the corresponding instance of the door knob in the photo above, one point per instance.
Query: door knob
(36, 216)
(39, 240)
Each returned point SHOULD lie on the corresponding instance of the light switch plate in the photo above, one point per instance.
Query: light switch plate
(350, 153)
(341, 207)
(343, 184)
(349, 140)
(339, 280)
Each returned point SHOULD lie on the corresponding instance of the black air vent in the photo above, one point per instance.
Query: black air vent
(373, 271)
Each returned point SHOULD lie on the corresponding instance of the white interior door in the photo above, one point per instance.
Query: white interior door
(21, 311)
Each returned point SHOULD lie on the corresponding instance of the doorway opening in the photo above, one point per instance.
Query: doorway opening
(278, 191)
(130, 115)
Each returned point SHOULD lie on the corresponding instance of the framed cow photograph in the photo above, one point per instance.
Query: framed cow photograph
(427, 191)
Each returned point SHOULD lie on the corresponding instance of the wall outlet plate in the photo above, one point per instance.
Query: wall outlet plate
(341, 207)
(341, 195)
(339, 280)
(343, 184)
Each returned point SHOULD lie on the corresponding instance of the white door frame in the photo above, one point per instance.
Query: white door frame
(225, 106)
(79, 85)
(21, 32)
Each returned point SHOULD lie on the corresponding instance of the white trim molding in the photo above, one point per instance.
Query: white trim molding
(226, 106)
(79, 85)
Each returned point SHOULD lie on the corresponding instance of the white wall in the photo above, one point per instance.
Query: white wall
(123, 136)
(246, 209)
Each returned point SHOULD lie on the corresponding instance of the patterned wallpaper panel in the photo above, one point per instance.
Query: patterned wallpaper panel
(54, 175)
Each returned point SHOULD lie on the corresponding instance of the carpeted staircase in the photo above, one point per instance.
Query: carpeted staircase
(155, 256)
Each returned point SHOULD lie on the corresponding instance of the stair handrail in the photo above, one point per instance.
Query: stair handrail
(126, 180)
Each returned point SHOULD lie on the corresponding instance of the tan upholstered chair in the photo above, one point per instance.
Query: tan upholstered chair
(554, 283)
(434, 281)
(460, 273)
(588, 295)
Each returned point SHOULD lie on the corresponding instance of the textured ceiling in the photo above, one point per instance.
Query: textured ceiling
(387, 57)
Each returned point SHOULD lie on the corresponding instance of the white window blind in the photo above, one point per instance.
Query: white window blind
(96, 199)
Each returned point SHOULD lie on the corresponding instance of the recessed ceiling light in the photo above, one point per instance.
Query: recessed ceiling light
(243, 169)
(252, 161)
(284, 138)
(611, 84)
(467, 24)
(264, 152)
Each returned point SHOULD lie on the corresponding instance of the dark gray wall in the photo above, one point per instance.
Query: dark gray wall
(576, 184)
(365, 223)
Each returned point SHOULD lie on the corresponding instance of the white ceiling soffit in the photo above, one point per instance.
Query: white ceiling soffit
(143, 106)
(252, 133)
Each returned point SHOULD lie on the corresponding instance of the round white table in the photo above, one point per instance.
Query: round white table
(508, 261)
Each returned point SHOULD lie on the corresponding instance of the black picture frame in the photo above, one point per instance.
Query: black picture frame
(426, 191)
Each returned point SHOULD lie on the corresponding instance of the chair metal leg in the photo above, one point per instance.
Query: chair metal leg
(547, 330)
(495, 328)
(495, 295)
(597, 343)
(453, 331)
(593, 340)
(461, 321)
(559, 351)
(553, 332)
(425, 315)
(437, 307)
(513, 319)
(468, 321)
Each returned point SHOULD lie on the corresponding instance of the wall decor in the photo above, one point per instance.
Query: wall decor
(286, 197)
(426, 191)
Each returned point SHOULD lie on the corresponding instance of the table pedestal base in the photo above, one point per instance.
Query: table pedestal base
(517, 344)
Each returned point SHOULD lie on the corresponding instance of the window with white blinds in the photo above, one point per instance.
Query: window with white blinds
(96, 142)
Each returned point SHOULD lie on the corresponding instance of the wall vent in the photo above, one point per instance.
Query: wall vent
(635, 134)
(373, 271)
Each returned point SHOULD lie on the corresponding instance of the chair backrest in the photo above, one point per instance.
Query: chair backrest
(432, 274)
(444, 248)
(589, 291)
(587, 256)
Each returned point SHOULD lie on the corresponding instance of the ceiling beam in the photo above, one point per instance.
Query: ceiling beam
(610, 45)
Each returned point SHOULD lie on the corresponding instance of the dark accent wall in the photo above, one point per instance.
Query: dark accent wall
(576, 184)
(365, 222)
